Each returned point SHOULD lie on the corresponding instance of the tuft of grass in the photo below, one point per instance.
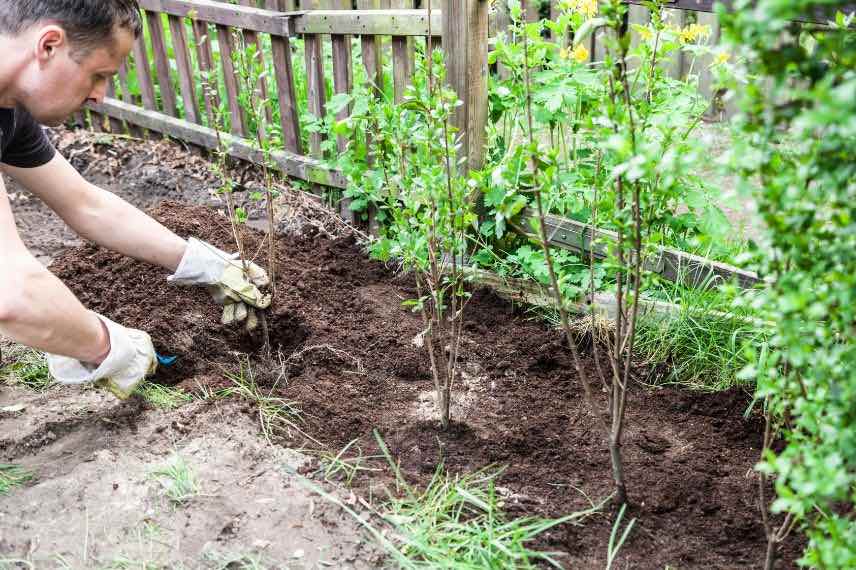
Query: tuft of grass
(164, 397)
(705, 343)
(277, 416)
(28, 368)
(12, 476)
(456, 523)
(616, 541)
(233, 561)
(345, 465)
(178, 480)
(123, 563)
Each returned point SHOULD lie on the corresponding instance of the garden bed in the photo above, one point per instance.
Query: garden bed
(689, 456)
(350, 362)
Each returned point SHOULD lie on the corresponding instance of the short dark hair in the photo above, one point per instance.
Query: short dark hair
(88, 23)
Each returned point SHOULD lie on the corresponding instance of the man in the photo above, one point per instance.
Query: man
(58, 55)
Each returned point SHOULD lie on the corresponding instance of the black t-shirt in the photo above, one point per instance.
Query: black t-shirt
(23, 142)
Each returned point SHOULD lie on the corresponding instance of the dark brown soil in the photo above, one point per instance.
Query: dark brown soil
(353, 367)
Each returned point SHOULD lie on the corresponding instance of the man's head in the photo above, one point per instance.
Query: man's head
(66, 51)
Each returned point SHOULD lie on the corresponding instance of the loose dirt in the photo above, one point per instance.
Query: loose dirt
(95, 502)
(347, 357)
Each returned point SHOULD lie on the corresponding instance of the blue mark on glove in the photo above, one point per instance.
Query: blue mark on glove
(166, 360)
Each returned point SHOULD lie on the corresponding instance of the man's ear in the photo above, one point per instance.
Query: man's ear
(51, 39)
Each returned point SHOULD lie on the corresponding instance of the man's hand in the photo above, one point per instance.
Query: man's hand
(224, 276)
(131, 357)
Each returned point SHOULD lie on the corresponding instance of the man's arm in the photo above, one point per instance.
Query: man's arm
(100, 216)
(36, 309)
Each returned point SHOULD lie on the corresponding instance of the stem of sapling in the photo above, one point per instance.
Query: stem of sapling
(252, 73)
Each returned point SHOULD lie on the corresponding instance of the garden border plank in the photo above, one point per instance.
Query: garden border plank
(672, 264)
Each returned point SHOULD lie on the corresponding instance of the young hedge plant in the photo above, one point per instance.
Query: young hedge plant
(799, 124)
(401, 163)
(640, 131)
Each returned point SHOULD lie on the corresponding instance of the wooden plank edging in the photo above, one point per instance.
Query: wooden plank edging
(672, 264)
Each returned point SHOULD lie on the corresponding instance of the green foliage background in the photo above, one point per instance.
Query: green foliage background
(799, 158)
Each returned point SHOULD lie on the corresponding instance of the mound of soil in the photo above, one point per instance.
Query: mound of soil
(349, 360)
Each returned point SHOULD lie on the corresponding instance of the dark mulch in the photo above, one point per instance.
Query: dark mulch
(688, 455)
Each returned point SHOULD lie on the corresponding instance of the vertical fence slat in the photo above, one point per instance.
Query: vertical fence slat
(371, 50)
(185, 68)
(343, 74)
(465, 26)
(252, 38)
(531, 10)
(227, 48)
(128, 97)
(702, 64)
(675, 66)
(289, 116)
(96, 122)
(116, 126)
(144, 74)
(342, 83)
(315, 85)
(156, 35)
(402, 56)
(640, 16)
(205, 57)
(372, 55)
(342, 78)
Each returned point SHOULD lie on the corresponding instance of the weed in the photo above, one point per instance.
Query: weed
(29, 369)
(344, 465)
(164, 397)
(13, 476)
(204, 392)
(123, 563)
(277, 416)
(616, 541)
(178, 480)
(704, 343)
(456, 522)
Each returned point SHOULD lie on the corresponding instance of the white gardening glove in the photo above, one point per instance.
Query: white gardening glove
(131, 358)
(224, 275)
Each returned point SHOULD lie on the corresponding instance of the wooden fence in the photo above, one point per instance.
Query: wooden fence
(194, 39)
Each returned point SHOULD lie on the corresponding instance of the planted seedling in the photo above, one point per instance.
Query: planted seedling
(250, 69)
(407, 171)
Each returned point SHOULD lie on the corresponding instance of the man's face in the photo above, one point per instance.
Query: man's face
(59, 84)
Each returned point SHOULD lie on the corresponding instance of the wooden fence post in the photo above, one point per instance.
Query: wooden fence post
(465, 25)
(531, 10)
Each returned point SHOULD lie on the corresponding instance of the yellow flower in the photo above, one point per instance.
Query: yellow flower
(587, 8)
(721, 57)
(693, 32)
(580, 54)
(645, 33)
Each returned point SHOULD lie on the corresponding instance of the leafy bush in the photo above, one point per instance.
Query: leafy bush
(799, 121)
